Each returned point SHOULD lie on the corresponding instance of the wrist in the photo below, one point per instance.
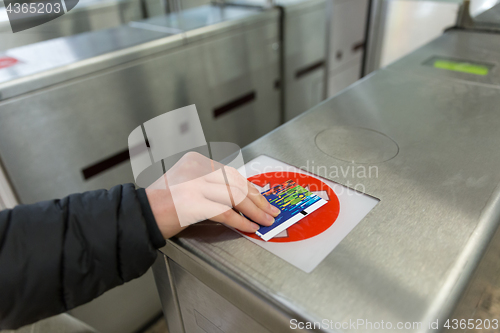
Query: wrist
(163, 209)
(154, 232)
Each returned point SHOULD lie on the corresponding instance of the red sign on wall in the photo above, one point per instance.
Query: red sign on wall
(7, 62)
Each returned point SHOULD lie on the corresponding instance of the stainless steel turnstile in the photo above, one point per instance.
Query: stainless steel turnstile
(303, 51)
(234, 66)
(86, 16)
(305, 55)
(318, 37)
(66, 107)
(69, 104)
(131, 74)
(161, 7)
(90, 15)
(346, 43)
(428, 251)
(489, 19)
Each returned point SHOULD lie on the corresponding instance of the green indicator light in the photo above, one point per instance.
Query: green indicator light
(463, 67)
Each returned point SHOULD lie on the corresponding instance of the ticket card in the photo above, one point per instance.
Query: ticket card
(294, 202)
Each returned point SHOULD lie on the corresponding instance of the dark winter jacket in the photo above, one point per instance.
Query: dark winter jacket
(56, 255)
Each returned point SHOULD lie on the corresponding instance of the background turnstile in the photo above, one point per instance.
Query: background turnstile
(86, 16)
(304, 55)
(161, 7)
(65, 119)
(228, 70)
(302, 50)
(323, 46)
(347, 43)
(90, 15)
(488, 19)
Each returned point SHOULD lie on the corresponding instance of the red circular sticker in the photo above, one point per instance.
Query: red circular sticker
(314, 223)
(7, 62)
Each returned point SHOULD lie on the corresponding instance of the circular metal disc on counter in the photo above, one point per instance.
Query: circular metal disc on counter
(356, 144)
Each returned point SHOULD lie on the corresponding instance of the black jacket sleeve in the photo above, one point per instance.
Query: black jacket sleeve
(56, 255)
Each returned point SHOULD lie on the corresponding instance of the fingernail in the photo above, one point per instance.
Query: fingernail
(269, 218)
(255, 226)
(275, 210)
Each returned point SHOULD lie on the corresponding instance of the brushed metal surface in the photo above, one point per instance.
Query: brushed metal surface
(86, 16)
(485, 280)
(77, 106)
(489, 18)
(207, 21)
(458, 45)
(74, 124)
(305, 44)
(347, 43)
(124, 88)
(342, 79)
(7, 196)
(233, 51)
(168, 294)
(201, 16)
(232, 66)
(160, 7)
(203, 310)
(304, 41)
(356, 144)
(56, 61)
(376, 30)
(413, 255)
(347, 30)
(263, 309)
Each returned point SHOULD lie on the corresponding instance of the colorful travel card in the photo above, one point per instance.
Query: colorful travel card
(294, 202)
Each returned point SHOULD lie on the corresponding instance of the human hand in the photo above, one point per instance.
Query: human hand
(197, 188)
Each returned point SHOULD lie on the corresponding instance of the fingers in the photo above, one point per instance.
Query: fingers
(260, 201)
(253, 212)
(235, 179)
(235, 220)
(220, 194)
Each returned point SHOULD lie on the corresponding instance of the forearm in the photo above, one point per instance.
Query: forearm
(58, 254)
(30, 259)
(163, 210)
